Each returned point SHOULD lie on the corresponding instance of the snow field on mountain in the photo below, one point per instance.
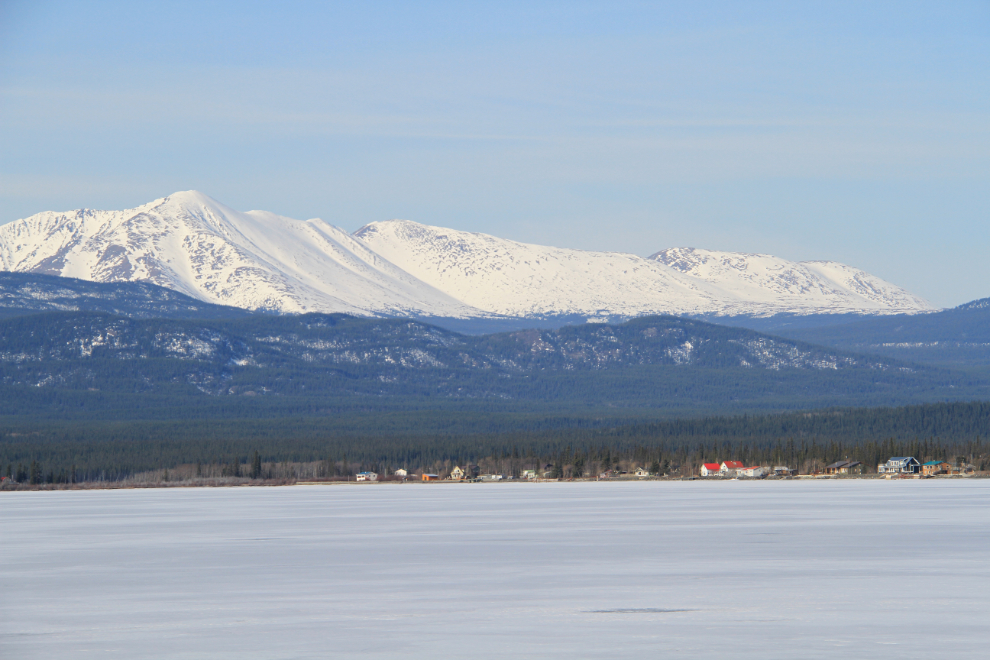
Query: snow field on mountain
(259, 260)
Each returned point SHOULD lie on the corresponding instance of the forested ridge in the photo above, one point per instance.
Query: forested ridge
(94, 395)
(94, 365)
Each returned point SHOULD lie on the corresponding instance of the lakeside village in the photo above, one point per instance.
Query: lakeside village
(261, 473)
(899, 467)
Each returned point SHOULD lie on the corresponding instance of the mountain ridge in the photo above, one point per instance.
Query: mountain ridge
(193, 244)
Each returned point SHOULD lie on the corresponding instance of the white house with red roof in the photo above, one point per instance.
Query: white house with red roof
(730, 468)
(711, 470)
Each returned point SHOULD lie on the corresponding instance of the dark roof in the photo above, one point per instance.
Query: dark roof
(838, 465)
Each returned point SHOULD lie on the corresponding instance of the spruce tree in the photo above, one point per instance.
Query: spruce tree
(256, 465)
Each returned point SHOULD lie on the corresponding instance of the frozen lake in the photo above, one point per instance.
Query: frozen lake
(779, 569)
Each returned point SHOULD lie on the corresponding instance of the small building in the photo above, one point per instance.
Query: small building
(755, 471)
(367, 476)
(642, 472)
(934, 467)
(430, 477)
(401, 472)
(529, 474)
(711, 470)
(607, 474)
(900, 465)
(782, 471)
(729, 468)
(842, 467)
(491, 477)
(460, 473)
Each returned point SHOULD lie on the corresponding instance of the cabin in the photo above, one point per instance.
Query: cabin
(642, 472)
(935, 467)
(430, 477)
(729, 468)
(755, 471)
(367, 476)
(401, 473)
(529, 474)
(842, 467)
(469, 471)
(782, 471)
(711, 470)
(900, 465)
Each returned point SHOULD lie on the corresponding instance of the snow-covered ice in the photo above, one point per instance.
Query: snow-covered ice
(786, 569)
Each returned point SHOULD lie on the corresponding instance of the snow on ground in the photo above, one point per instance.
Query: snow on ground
(782, 569)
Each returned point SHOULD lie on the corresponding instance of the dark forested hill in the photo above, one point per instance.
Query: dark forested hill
(956, 337)
(29, 293)
(99, 361)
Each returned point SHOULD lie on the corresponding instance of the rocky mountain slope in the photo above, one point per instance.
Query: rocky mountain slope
(658, 363)
(23, 294)
(192, 244)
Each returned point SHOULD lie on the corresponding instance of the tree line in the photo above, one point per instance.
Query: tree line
(103, 451)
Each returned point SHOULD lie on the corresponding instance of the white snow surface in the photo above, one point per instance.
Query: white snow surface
(191, 243)
(786, 569)
(521, 279)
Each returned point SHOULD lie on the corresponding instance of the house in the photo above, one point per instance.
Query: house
(529, 474)
(367, 476)
(754, 471)
(642, 472)
(430, 477)
(728, 468)
(935, 467)
(401, 473)
(782, 470)
(711, 470)
(842, 467)
(469, 471)
(606, 474)
(900, 465)
(491, 477)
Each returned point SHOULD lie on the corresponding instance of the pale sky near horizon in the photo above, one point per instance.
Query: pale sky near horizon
(855, 132)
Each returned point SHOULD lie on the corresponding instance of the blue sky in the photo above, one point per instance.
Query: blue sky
(856, 132)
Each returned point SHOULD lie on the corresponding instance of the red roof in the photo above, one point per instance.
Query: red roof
(713, 466)
(733, 465)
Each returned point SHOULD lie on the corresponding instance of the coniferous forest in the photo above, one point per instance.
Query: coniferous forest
(139, 382)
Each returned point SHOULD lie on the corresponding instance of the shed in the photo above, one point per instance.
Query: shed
(430, 477)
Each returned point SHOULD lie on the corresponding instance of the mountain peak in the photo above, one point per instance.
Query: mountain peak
(194, 244)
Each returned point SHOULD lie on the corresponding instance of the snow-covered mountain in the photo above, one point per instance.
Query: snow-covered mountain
(258, 260)
(193, 244)
(519, 279)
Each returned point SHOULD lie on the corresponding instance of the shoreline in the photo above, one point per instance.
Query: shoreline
(270, 483)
